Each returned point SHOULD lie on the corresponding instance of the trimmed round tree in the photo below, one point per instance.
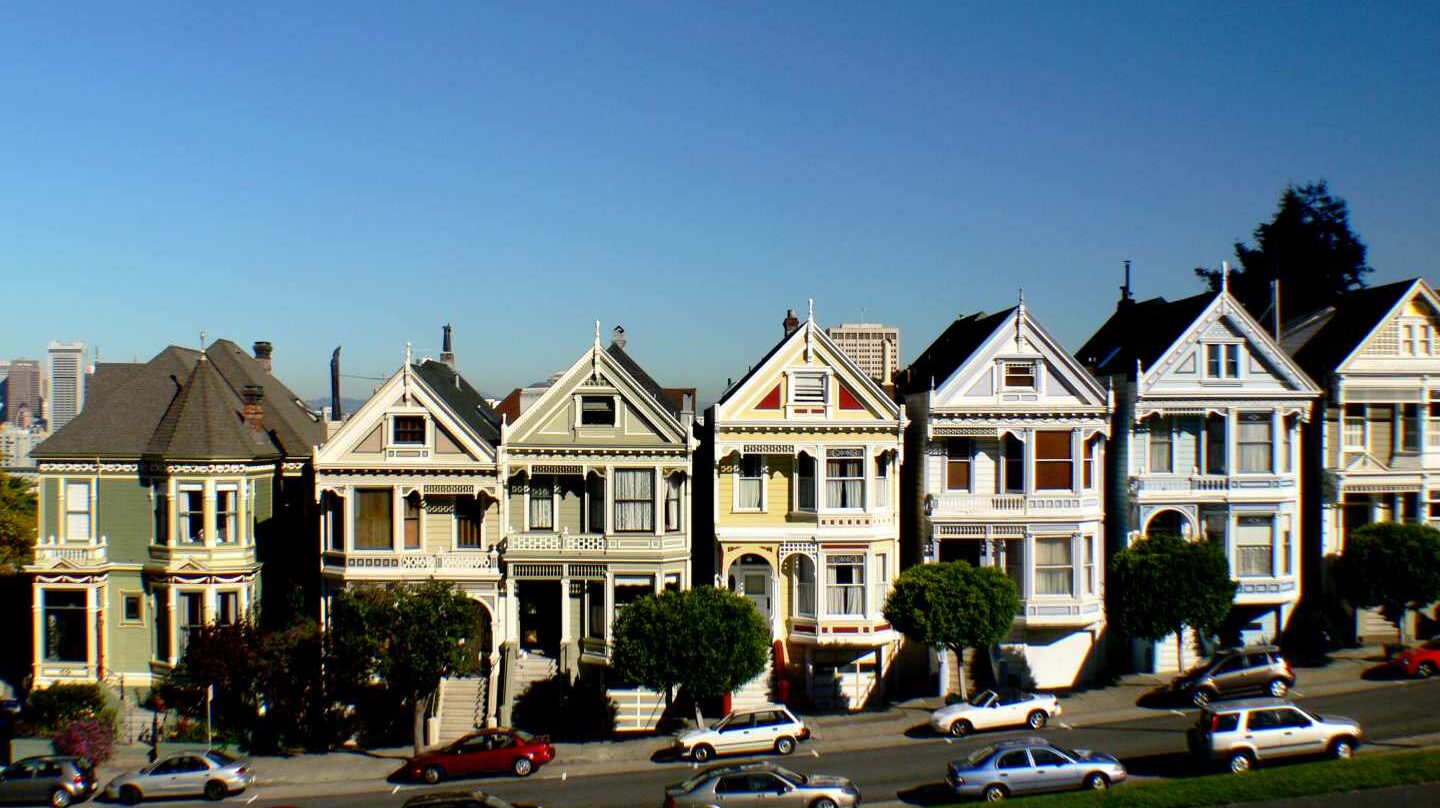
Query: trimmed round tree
(1160, 584)
(954, 606)
(1393, 566)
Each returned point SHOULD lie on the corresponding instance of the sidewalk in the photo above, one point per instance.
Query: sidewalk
(355, 771)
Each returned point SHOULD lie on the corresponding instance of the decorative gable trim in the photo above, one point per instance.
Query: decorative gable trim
(408, 390)
(771, 401)
(982, 364)
(1225, 307)
(603, 373)
(1419, 286)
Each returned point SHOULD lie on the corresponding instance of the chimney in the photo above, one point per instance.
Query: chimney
(252, 395)
(791, 322)
(262, 354)
(335, 413)
(447, 352)
(617, 337)
(1127, 298)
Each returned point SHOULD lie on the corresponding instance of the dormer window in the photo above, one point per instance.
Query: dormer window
(808, 389)
(1222, 360)
(408, 430)
(597, 411)
(1019, 375)
(1416, 338)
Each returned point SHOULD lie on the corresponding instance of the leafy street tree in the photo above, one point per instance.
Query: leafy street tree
(704, 642)
(1393, 566)
(411, 636)
(1161, 584)
(17, 523)
(1308, 247)
(954, 606)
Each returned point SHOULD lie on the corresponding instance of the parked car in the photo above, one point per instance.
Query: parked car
(1243, 733)
(773, 727)
(1421, 662)
(491, 751)
(1031, 766)
(212, 774)
(1235, 671)
(48, 780)
(990, 709)
(462, 799)
(761, 783)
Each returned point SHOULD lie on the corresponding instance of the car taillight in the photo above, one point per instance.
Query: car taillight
(242, 770)
(1215, 723)
(78, 779)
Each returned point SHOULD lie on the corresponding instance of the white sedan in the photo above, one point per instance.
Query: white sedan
(991, 709)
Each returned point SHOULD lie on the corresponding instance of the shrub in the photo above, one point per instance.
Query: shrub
(63, 703)
(89, 738)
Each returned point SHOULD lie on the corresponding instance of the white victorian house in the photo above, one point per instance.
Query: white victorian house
(1007, 448)
(1209, 413)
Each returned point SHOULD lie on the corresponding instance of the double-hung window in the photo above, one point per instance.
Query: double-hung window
(844, 478)
(634, 499)
(408, 430)
(226, 514)
(1254, 539)
(1088, 573)
(1018, 376)
(1088, 460)
(1222, 360)
(374, 509)
(1162, 446)
(882, 481)
(1353, 435)
(750, 494)
(845, 584)
(1255, 442)
(673, 485)
(411, 519)
(1054, 566)
(227, 608)
(77, 511)
(542, 503)
(190, 513)
(959, 462)
(805, 483)
(1410, 426)
(1054, 461)
(1012, 464)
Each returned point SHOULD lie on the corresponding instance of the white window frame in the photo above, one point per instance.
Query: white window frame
(1240, 421)
(68, 486)
(675, 484)
(646, 473)
(1229, 351)
(853, 561)
(391, 443)
(1240, 520)
(1068, 542)
(234, 537)
(1156, 423)
(580, 410)
(1003, 366)
(884, 462)
(741, 479)
(793, 388)
(1346, 427)
(845, 453)
(185, 517)
(530, 498)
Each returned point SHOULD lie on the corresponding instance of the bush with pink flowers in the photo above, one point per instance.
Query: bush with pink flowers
(86, 737)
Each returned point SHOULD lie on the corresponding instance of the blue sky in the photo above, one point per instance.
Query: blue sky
(358, 175)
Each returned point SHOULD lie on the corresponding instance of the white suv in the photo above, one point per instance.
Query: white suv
(1243, 733)
(761, 730)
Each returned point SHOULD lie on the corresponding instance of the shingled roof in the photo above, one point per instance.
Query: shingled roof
(665, 397)
(950, 350)
(1140, 331)
(1321, 340)
(465, 400)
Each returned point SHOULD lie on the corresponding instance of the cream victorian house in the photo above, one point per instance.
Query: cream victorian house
(806, 451)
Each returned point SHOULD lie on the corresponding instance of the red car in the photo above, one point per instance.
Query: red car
(1422, 662)
(489, 751)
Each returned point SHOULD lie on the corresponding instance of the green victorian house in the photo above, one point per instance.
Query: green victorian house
(160, 504)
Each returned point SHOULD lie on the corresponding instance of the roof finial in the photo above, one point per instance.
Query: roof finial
(1225, 277)
(811, 302)
(203, 340)
(407, 353)
(597, 333)
(1022, 297)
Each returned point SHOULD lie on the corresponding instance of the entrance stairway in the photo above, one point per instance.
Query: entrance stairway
(531, 667)
(461, 706)
(757, 692)
(1164, 654)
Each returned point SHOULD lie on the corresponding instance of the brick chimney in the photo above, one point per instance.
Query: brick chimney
(791, 322)
(447, 351)
(252, 395)
(262, 354)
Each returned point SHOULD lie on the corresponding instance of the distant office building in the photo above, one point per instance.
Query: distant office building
(66, 396)
(22, 392)
(874, 347)
(15, 445)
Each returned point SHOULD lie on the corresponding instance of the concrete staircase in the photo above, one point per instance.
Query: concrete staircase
(462, 703)
(757, 692)
(976, 663)
(530, 668)
(1164, 654)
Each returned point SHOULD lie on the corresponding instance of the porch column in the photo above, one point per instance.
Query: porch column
(37, 627)
(169, 648)
(565, 635)
(207, 496)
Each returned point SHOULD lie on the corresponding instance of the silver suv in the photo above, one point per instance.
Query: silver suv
(1257, 669)
(1243, 733)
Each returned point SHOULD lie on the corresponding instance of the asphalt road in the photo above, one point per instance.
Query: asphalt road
(912, 768)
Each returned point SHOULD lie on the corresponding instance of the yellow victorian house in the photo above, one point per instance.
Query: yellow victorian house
(806, 451)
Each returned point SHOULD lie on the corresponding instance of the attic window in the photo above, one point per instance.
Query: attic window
(597, 411)
(807, 388)
(408, 430)
(1019, 376)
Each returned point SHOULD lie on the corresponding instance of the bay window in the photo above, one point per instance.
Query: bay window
(373, 513)
(225, 515)
(1162, 445)
(844, 478)
(1012, 461)
(334, 521)
(595, 503)
(191, 513)
(1054, 566)
(1410, 426)
(634, 499)
(190, 620)
(410, 519)
(1054, 461)
(845, 584)
(1215, 448)
(66, 622)
(959, 462)
(805, 483)
(1088, 573)
(542, 503)
(1089, 464)
(1255, 442)
(882, 481)
(1254, 540)
(77, 511)
(227, 608)
(751, 485)
(673, 484)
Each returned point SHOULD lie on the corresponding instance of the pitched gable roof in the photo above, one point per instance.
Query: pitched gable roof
(950, 350)
(665, 396)
(1140, 331)
(465, 400)
(1321, 340)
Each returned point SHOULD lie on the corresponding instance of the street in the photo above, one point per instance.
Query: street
(911, 769)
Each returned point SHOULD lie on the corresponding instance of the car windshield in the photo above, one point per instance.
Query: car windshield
(794, 777)
(219, 758)
(979, 756)
(695, 780)
(981, 698)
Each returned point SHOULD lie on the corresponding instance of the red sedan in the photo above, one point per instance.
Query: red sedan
(489, 751)
(1422, 662)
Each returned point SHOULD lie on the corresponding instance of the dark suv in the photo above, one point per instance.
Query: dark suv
(1257, 669)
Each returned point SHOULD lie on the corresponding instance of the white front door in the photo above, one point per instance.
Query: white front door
(754, 583)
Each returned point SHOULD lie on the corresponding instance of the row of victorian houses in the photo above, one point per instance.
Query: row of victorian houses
(807, 487)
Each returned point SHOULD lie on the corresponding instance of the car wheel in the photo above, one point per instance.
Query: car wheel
(129, 795)
(1202, 697)
(1097, 782)
(961, 728)
(1342, 749)
(785, 745)
(1240, 762)
(215, 791)
(995, 793)
(1425, 671)
(1278, 688)
(522, 767)
(60, 798)
(432, 774)
(1036, 719)
(823, 802)
(702, 753)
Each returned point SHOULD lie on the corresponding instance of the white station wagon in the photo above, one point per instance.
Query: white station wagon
(992, 709)
(761, 730)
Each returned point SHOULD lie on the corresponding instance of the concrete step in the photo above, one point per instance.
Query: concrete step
(757, 692)
(1164, 655)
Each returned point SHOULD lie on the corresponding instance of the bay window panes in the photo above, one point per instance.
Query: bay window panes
(1015, 563)
(1088, 574)
(595, 610)
(373, 513)
(1434, 411)
(227, 608)
(805, 483)
(1054, 461)
(1354, 432)
(804, 571)
(845, 584)
(1222, 360)
(410, 518)
(469, 523)
(1287, 430)
(844, 479)
(673, 484)
(334, 521)
(1215, 445)
(1012, 461)
(542, 503)
(751, 483)
(162, 517)
(225, 515)
(66, 632)
(190, 513)
(597, 411)
(882, 481)
(1410, 427)
(77, 511)
(1162, 444)
(634, 499)
(190, 619)
(1435, 505)
(1019, 375)
(1054, 567)
(595, 499)
(807, 388)
(1254, 439)
(1089, 464)
(959, 461)
(1254, 539)
(408, 430)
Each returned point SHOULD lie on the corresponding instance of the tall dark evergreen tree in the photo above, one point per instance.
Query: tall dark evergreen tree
(1308, 247)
